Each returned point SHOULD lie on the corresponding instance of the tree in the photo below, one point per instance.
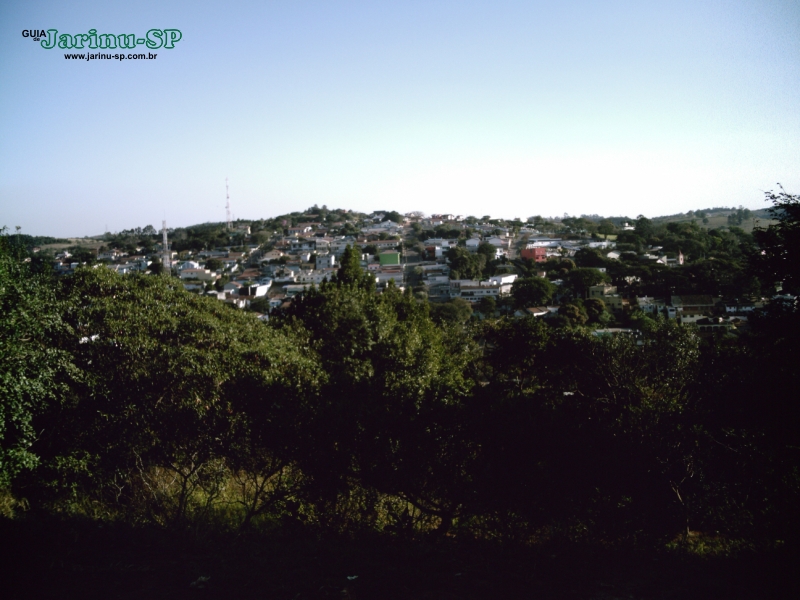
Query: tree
(596, 310)
(32, 372)
(489, 251)
(578, 281)
(455, 311)
(532, 291)
(643, 227)
(487, 306)
(395, 216)
(574, 313)
(392, 380)
(607, 227)
(465, 264)
(156, 267)
(172, 387)
(213, 264)
(83, 255)
(589, 257)
(779, 243)
(350, 271)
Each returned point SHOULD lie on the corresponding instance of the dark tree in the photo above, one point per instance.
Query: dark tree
(779, 259)
(532, 291)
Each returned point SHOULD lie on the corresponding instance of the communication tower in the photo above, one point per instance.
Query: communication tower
(166, 259)
(228, 206)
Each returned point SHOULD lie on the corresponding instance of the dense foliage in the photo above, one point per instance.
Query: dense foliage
(125, 397)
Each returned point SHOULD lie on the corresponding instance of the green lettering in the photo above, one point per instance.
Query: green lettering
(79, 39)
(92, 38)
(155, 39)
(65, 41)
(173, 35)
(127, 40)
(50, 42)
(108, 41)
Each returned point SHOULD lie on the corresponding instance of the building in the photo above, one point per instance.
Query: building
(534, 253)
(693, 305)
(389, 257)
(325, 261)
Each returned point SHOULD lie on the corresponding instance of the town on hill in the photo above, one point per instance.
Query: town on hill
(332, 404)
(610, 273)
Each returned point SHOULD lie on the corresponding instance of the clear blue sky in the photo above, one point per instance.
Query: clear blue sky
(472, 107)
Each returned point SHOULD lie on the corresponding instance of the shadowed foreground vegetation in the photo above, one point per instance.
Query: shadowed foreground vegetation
(79, 558)
(157, 443)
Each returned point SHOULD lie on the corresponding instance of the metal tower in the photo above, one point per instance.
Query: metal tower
(166, 259)
(228, 206)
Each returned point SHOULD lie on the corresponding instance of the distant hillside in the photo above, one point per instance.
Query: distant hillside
(714, 218)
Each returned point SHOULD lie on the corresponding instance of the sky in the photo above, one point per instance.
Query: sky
(505, 108)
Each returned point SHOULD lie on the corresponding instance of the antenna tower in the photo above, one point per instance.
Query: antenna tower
(167, 257)
(227, 205)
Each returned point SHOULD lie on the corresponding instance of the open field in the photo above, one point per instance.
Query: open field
(90, 243)
(717, 220)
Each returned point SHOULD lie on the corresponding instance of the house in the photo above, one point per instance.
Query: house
(228, 263)
(711, 325)
(323, 244)
(325, 261)
(303, 245)
(202, 274)
(544, 242)
(315, 276)
(236, 301)
(608, 294)
(276, 301)
(739, 307)
(298, 230)
(504, 281)
(537, 311)
(212, 254)
(248, 274)
(338, 245)
(271, 255)
(110, 255)
(124, 269)
(189, 264)
(652, 306)
(474, 291)
(254, 290)
(693, 305)
(384, 275)
(602, 245)
(534, 253)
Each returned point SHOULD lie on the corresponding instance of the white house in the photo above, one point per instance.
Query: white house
(202, 274)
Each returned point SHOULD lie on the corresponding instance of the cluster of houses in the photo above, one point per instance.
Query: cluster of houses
(121, 262)
(306, 254)
(708, 313)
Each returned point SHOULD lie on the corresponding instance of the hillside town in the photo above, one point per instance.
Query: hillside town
(552, 381)
(606, 273)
